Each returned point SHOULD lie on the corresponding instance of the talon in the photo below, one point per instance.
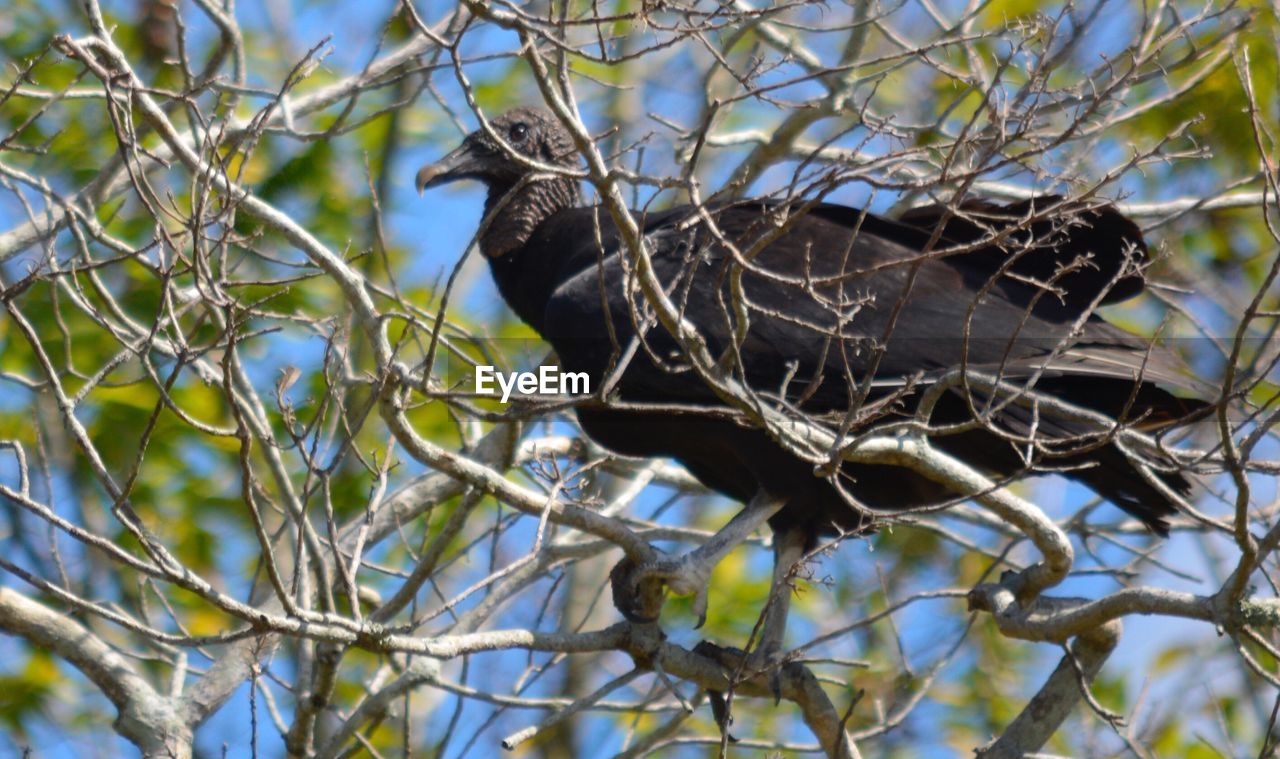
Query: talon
(700, 607)
(720, 712)
(769, 661)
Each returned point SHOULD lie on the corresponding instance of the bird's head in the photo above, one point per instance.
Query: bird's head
(521, 196)
(534, 133)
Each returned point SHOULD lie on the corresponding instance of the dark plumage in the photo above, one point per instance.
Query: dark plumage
(823, 294)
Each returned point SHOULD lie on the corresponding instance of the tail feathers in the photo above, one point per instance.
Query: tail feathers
(1112, 474)
(1105, 469)
(1117, 479)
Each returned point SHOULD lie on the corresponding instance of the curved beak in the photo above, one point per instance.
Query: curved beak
(462, 163)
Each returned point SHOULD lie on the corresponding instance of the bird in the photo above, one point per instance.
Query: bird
(838, 314)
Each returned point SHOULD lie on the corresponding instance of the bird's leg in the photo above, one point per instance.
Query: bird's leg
(634, 585)
(766, 655)
(788, 550)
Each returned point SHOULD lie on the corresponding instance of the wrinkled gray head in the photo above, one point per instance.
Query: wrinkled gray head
(532, 132)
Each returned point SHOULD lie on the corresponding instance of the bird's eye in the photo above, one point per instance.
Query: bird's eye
(519, 131)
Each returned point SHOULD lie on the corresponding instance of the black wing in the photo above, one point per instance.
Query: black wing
(837, 297)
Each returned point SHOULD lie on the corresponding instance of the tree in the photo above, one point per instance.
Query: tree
(250, 502)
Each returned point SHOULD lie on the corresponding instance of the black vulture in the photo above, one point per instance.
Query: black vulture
(822, 309)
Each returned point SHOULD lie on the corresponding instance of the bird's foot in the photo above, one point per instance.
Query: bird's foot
(769, 662)
(741, 665)
(638, 587)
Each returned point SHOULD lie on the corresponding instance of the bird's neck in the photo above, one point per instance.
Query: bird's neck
(520, 211)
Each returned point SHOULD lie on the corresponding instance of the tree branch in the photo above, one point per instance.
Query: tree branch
(145, 717)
